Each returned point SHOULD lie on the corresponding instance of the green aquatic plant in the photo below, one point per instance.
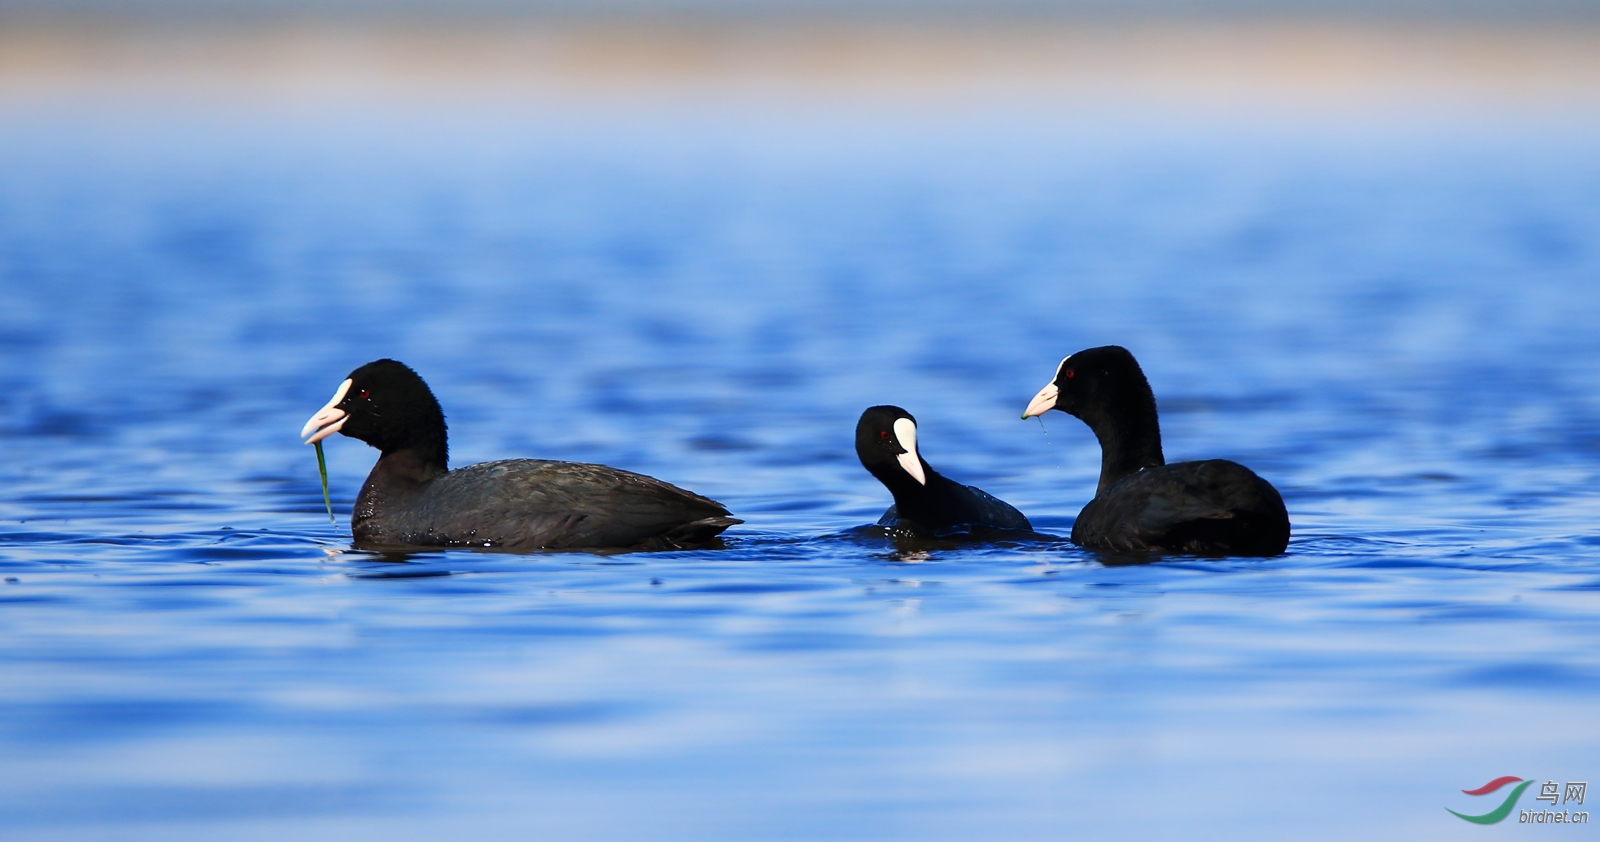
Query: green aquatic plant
(322, 468)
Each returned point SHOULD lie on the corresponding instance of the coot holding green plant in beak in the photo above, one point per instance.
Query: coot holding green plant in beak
(1213, 507)
(926, 503)
(413, 499)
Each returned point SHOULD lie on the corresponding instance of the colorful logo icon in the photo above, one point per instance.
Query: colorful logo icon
(1501, 811)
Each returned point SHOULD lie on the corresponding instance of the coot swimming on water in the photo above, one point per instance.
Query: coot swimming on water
(1214, 507)
(926, 503)
(413, 499)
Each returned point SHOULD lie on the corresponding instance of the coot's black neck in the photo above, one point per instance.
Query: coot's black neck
(1128, 430)
(409, 466)
(420, 446)
(911, 498)
(410, 460)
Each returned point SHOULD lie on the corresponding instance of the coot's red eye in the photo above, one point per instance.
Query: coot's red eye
(1068, 373)
(883, 434)
(363, 394)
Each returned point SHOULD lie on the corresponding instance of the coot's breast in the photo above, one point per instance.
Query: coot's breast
(1211, 507)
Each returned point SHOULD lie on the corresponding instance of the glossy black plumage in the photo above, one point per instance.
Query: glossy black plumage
(935, 506)
(412, 499)
(1211, 507)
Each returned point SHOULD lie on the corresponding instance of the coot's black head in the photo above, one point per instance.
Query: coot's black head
(385, 404)
(886, 442)
(1105, 379)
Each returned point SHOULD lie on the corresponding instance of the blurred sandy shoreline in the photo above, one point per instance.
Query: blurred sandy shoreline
(1294, 64)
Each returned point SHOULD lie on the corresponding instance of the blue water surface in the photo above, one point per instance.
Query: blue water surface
(1391, 317)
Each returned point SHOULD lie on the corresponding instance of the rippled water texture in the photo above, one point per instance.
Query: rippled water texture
(1391, 318)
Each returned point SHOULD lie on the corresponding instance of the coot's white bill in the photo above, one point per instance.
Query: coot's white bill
(328, 419)
(906, 431)
(1042, 402)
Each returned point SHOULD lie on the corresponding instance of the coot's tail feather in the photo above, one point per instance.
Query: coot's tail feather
(697, 532)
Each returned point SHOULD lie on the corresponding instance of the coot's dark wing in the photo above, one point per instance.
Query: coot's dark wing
(951, 510)
(1209, 508)
(533, 504)
(991, 512)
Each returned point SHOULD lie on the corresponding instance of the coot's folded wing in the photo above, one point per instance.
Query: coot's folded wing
(1212, 506)
(994, 513)
(1139, 512)
(531, 503)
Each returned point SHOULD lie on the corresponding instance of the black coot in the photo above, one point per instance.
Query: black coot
(926, 504)
(413, 499)
(1214, 507)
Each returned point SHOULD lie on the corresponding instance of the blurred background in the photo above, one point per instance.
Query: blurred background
(1311, 54)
